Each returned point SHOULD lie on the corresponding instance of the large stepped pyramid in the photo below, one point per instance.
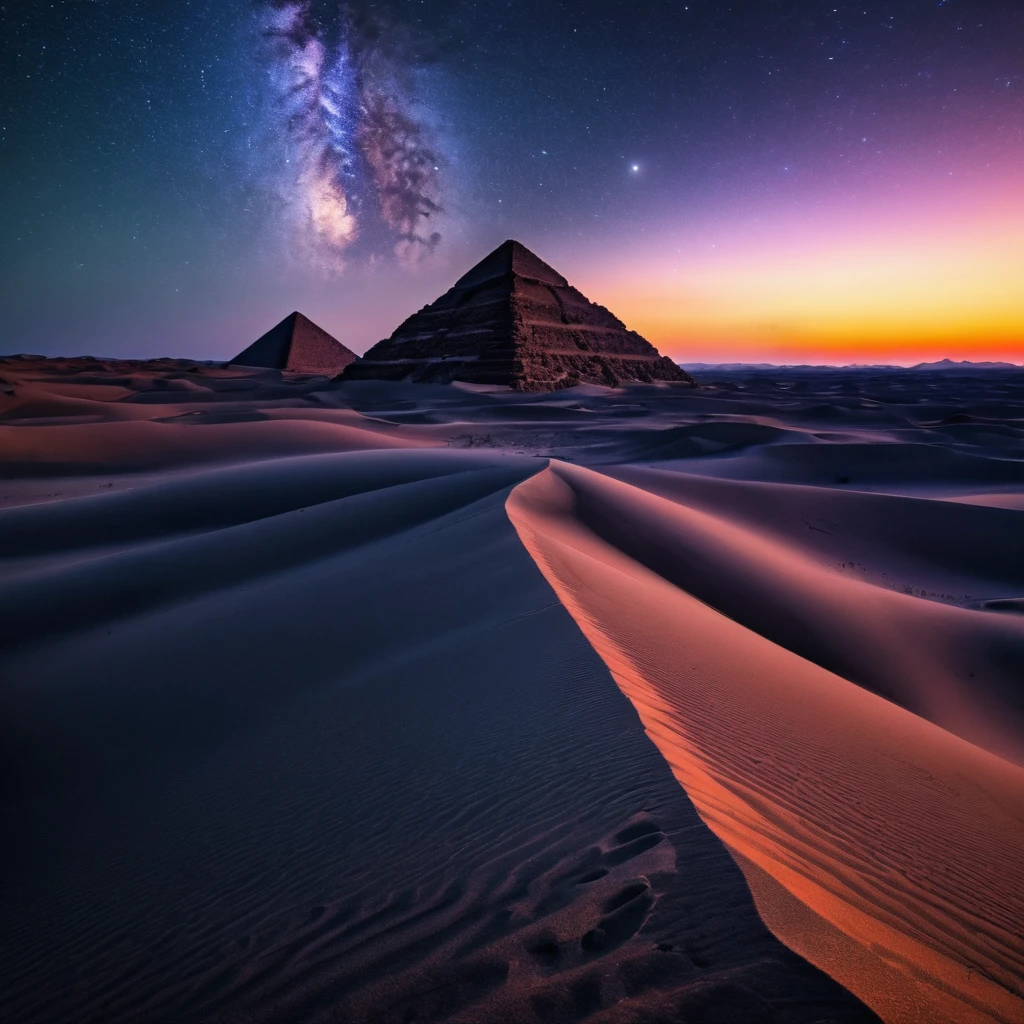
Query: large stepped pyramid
(296, 344)
(514, 320)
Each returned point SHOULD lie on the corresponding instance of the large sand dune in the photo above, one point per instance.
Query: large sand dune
(361, 702)
(881, 847)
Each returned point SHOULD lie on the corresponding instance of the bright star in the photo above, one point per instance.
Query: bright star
(636, 167)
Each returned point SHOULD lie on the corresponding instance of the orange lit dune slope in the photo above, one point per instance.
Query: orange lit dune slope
(880, 846)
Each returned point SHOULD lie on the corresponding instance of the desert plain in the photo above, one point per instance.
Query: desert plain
(371, 701)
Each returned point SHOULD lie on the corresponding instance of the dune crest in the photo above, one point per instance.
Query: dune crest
(877, 845)
(263, 762)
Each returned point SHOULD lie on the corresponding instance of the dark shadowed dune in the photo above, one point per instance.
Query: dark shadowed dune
(355, 789)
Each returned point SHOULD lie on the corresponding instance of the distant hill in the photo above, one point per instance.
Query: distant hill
(966, 364)
(939, 365)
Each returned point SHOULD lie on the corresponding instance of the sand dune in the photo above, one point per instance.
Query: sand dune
(375, 775)
(884, 849)
(195, 502)
(906, 543)
(109, 447)
(956, 666)
(59, 419)
(308, 702)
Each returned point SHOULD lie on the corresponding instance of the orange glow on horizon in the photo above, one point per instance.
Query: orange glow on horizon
(891, 283)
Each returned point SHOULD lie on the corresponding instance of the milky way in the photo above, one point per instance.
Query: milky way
(814, 182)
(360, 171)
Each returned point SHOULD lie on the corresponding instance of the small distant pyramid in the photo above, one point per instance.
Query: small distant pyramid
(298, 345)
(514, 320)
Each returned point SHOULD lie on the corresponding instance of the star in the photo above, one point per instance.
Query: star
(635, 168)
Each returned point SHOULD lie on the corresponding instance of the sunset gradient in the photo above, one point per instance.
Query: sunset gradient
(798, 182)
(916, 274)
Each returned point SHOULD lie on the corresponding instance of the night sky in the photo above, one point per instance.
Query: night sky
(779, 181)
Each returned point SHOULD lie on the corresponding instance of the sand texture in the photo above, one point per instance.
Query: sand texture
(384, 702)
(883, 848)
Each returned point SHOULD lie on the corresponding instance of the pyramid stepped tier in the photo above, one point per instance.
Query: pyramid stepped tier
(514, 320)
(296, 344)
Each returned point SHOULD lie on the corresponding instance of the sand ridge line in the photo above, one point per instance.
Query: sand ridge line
(955, 666)
(367, 790)
(907, 893)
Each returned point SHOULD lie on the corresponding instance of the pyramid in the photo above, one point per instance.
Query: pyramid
(514, 320)
(298, 345)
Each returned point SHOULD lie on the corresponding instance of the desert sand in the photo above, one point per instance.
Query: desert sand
(369, 701)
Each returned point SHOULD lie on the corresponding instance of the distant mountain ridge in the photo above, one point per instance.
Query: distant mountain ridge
(938, 365)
